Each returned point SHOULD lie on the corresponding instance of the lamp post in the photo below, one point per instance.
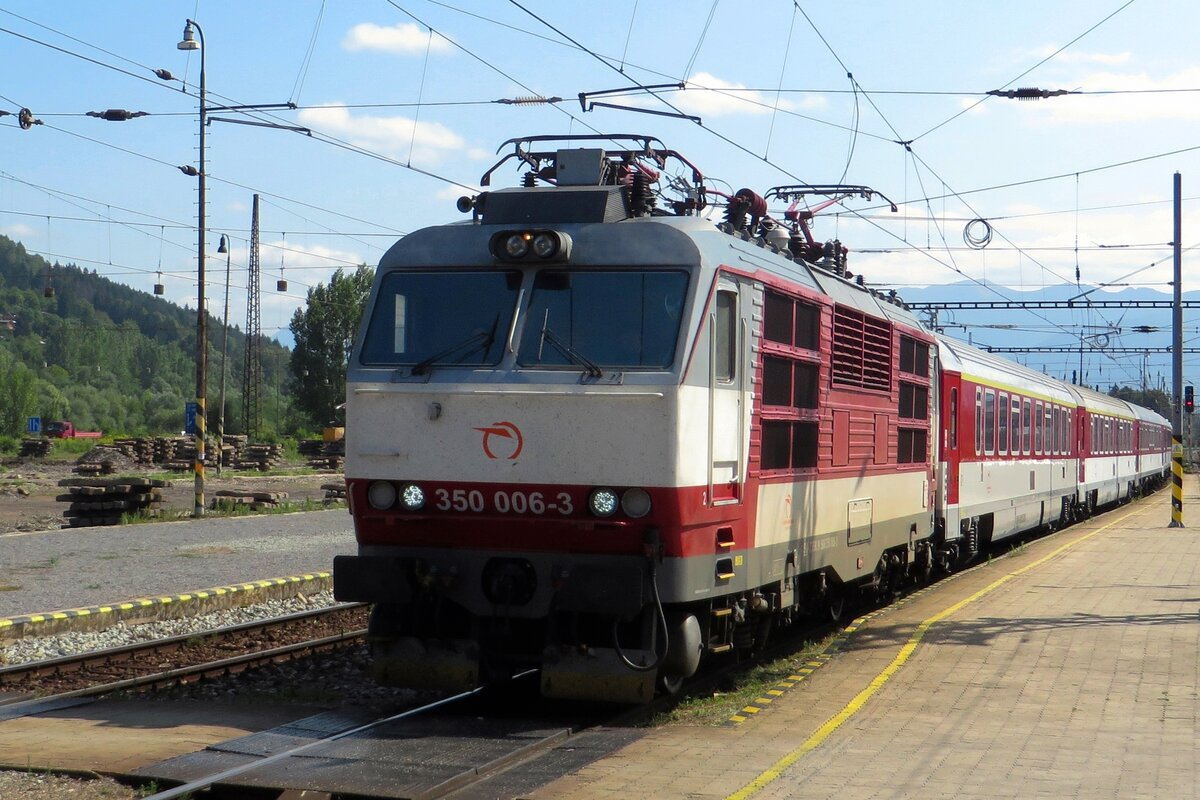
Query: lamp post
(223, 248)
(189, 43)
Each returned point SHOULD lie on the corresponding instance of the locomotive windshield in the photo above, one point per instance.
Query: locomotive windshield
(430, 318)
(603, 319)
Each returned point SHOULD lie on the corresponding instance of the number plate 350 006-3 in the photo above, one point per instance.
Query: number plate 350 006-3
(503, 501)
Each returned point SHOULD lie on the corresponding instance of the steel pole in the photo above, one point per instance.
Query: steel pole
(224, 358)
(201, 322)
(1177, 364)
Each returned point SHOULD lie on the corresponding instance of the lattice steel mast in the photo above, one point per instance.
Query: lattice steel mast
(252, 375)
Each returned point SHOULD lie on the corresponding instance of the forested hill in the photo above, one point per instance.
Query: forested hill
(109, 357)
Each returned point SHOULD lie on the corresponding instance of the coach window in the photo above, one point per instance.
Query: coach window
(1002, 445)
(989, 421)
(1026, 430)
(954, 419)
(1016, 425)
(1055, 421)
(1037, 429)
(978, 420)
(1047, 433)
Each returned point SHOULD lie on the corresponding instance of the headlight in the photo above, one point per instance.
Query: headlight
(545, 245)
(635, 503)
(381, 495)
(412, 498)
(603, 502)
(517, 245)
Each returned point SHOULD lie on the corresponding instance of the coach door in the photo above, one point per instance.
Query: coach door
(726, 408)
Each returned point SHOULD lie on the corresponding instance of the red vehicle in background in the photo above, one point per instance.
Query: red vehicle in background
(64, 429)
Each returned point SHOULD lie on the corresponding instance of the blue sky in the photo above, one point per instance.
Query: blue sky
(769, 84)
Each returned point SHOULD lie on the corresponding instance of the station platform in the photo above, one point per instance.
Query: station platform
(1068, 668)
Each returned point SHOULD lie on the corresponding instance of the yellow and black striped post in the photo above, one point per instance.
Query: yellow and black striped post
(1176, 482)
(198, 511)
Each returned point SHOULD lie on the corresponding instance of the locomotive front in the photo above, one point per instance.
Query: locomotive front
(516, 423)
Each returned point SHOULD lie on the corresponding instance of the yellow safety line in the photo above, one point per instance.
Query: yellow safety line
(776, 770)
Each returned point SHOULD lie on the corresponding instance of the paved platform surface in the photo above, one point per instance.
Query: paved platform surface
(73, 568)
(1067, 669)
(123, 735)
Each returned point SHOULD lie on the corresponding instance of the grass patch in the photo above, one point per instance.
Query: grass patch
(739, 690)
(10, 587)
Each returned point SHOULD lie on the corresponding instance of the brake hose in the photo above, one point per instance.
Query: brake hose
(661, 621)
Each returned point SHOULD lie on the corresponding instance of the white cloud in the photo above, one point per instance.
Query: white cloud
(1073, 57)
(1157, 101)
(708, 95)
(17, 230)
(393, 136)
(403, 39)
(452, 193)
(972, 105)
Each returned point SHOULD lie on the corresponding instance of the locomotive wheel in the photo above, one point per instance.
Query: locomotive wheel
(671, 684)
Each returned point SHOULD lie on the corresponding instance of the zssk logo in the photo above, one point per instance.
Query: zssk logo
(504, 450)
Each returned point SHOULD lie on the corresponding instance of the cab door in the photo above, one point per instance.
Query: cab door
(726, 392)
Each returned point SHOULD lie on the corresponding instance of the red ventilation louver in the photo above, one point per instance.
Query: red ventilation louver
(862, 350)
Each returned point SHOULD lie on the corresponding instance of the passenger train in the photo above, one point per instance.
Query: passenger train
(594, 433)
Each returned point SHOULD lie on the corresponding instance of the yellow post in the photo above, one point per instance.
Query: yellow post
(1177, 482)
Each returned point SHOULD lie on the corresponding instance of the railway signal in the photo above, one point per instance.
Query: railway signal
(1189, 399)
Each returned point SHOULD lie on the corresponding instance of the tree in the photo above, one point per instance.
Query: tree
(18, 396)
(1152, 399)
(324, 333)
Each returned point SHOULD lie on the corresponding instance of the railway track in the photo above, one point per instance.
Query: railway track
(159, 663)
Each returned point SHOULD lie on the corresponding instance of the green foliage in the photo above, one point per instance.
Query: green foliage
(109, 357)
(18, 396)
(1153, 399)
(325, 332)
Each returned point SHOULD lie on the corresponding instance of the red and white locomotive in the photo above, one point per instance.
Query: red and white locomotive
(604, 438)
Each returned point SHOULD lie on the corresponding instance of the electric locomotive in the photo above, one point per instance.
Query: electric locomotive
(594, 433)
(602, 436)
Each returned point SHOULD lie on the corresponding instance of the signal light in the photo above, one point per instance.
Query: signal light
(1189, 401)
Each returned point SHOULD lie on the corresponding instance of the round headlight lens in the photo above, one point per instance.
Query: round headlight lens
(545, 245)
(517, 245)
(381, 495)
(635, 503)
(603, 502)
(412, 498)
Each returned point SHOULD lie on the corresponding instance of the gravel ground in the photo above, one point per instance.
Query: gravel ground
(76, 642)
(52, 570)
(34, 785)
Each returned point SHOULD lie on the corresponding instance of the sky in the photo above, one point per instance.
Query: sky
(400, 98)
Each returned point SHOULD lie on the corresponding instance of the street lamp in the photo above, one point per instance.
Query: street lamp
(223, 248)
(189, 43)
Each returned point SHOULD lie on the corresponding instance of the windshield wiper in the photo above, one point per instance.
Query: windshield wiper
(472, 343)
(567, 350)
